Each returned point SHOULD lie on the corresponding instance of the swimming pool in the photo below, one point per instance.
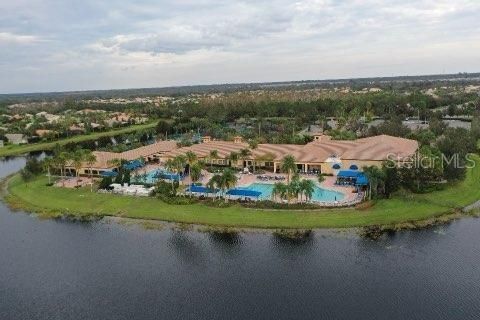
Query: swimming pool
(154, 175)
(319, 194)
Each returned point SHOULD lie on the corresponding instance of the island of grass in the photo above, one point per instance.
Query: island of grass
(36, 196)
(11, 150)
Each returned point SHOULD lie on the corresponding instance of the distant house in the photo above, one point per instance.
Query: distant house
(16, 138)
(76, 129)
(43, 132)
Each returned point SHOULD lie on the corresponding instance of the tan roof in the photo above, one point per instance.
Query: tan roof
(103, 158)
(381, 148)
(372, 148)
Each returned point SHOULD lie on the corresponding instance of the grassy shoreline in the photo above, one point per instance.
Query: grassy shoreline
(406, 209)
(11, 150)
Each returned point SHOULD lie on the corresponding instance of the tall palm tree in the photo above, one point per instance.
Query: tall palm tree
(293, 188)
(229, 180)
(90, 158)
(233, 157)
(77, 161)
(253, 144)
(61, 160)
(179, 165)
(170, 166)
(279, 190)
(212, 155)
(191, 160)
(289, 166)
(244, 154)
(215, 182)
(375, 178)
(307, 187)
(47, 165)
(195, 173)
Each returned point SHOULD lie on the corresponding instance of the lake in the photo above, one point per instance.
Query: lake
(53, 269)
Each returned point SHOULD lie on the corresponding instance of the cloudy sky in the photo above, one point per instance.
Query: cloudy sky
(58, 45)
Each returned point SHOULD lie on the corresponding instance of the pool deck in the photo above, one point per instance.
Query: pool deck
(244, 180)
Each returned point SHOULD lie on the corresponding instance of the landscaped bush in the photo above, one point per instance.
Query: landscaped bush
(177, 200)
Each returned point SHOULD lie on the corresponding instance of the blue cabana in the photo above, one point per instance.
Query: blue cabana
(353, 167)
(244, 193)
(201, 189)
(352, 177)
(336, 166)
(108, 174)
(362, 180)
(347, 174)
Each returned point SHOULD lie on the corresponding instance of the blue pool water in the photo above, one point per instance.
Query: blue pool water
(318, 195)
(153, 176)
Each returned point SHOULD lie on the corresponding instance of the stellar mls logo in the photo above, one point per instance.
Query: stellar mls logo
(434, 161)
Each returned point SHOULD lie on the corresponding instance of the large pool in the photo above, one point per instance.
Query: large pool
(319, 194)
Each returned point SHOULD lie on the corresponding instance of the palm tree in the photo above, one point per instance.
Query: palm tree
(307, 187)
(375, 178)
(213, 155)
(289, 166)
(293, 188)
(244, 154)
(233, 157)
(90, 158)
(279, 190)
(170, 166)
(191, 160)
(320, 178)
(62, 159)
(195, 173)
(229, 180)
(115, 162)
(253, 144)
(179, 165)
(215, 182)
(47, 164)
(77, 161)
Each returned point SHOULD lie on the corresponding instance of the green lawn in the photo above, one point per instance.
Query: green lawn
(35, 196)
(21, 149)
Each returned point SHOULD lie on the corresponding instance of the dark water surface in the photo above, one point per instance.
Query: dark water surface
(64, 270)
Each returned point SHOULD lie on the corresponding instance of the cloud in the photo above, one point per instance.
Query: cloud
(105, 44)
(11, 38)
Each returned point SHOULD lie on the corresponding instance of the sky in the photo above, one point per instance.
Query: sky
(63, 45)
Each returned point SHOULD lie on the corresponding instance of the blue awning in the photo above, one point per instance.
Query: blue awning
(201, 189)
(336, 166)
(353, 167)
(348, 174)
(362, 180)
(244, 193)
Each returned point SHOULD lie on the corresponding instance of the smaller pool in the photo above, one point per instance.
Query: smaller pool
(153, 176)
(319, 194)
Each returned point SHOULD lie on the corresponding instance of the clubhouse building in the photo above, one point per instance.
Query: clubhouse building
(321, 155)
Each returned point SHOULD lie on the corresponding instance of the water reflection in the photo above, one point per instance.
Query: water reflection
(188, 250)
(226, 242)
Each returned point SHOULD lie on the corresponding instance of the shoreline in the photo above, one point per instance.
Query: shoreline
(16, 203)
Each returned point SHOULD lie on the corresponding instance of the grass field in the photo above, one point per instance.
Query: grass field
(11, 150)
(35, 196)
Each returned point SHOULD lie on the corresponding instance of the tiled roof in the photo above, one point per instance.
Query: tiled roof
(103, 158)
(372, 148)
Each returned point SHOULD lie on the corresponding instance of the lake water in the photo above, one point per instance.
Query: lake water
(63, 270)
